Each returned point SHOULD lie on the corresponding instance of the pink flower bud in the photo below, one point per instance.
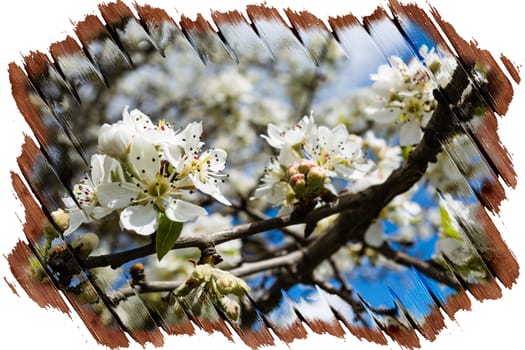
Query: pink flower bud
(316, 178)
(305, 165)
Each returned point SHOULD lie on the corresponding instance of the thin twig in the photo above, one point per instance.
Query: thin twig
(147, 287)
(423, 266)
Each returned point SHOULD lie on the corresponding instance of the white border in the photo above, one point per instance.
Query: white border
(33, 25)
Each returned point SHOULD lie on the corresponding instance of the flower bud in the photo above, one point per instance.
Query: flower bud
(85, 244)
(61, 219)
(201, 274)
(115, 140)
(229, 284)
(316, 178)
(137, 273)
(298, 183)
(305, 165)
(231, 308)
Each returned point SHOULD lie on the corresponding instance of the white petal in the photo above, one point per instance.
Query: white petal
(182, 211)
(383, 115)
(113, 195)
(274, 138)
(374, 235)
(294, 136)
(172, 153)
(100, 212)
(218, 159)
(209, 188)
(287, 156)
(112, 171)
(114, 139)
(140, 121)
(97, 168)
(189, 138)
(145, 159)
(410, 133)
(141, 219)
(339, 134)
(76, 218)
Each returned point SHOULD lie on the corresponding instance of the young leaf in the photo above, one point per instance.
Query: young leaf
(167, 234)
(446, 223)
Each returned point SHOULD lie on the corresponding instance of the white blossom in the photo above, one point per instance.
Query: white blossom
(152, 168)
(404, 92)
(89, 208)
(310, 156)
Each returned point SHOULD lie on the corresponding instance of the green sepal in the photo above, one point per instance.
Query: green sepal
(167, 234)
(405, 151)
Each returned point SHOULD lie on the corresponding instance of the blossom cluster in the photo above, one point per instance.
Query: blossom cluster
(309, 158)
(405, 92)
(143, 171)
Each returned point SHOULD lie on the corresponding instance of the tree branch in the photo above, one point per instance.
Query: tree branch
(423, 266)
(357, 210)
(123, 293)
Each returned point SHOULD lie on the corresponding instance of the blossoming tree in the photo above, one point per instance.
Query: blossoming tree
(233, 187)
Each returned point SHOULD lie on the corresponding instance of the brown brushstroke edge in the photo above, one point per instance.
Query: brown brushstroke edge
(304, 21)
(491, 196)
(20, 85)
(433, 324)
(486, 139)
(10, 285)
(211, 326)
(30, 152)
(115, 14)
(324, 327)
(497, 256)
(89, 29)
(269, 13)
(404, 336)
(292, 332)
(199, 25)
(493, 192)
(254, 339)
(511, 68)
(69, 47)
(34, 217)
(265, 13)
(230, 17)
(500, 88)
(153, 16)
(44, 294)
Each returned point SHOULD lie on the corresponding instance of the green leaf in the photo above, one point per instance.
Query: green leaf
(446, 223)
(167, 234)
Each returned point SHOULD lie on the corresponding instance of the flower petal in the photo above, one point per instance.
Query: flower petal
(97, 168)
(172, 153)
(76, 218)
(210, 188)
(275, 136)
(116, 195)
(141, 219)
(217, 159)
(145, 159)
(374, 235)
(410, 133)
(182, 211)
